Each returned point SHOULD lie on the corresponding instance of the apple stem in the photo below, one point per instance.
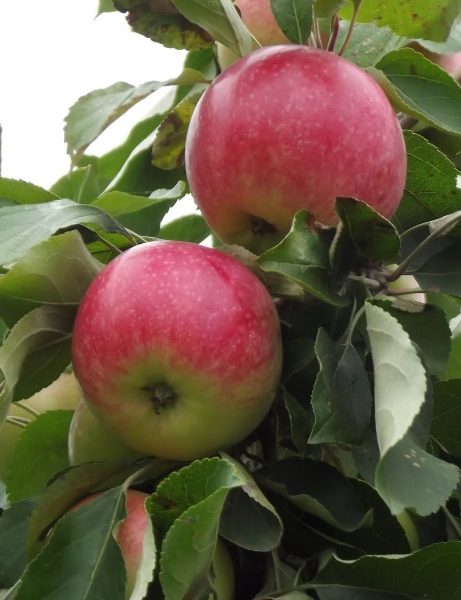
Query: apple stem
(347, 39)
(334, 33)
(18, 421)
(317, 39)
(28, 409)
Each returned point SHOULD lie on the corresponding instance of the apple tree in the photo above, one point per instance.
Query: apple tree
(259, 399)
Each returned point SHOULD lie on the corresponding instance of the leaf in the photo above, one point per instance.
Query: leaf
(431, 189)
(81, 184)
(428, 330)
(105, 6)
(35, 352)
(170, 140)
(187, 509)
(398, 374)
(341, 397)
(407, 476)
(446, 421)
(190, 228)
(41, 453)
(302, 257)
(294, 17)
(94, 112)
(327, 8)
(138, 213)
(300, 423)
(22, 227)
(373, 236)
(421, 89)
(79, 554)
(318, 489)
(65, 491)
(23, 192)
(368, 43)
(13, 529)
(441, 273)
(56, 272)
(412, 19)
(220, 19)
(431, 573)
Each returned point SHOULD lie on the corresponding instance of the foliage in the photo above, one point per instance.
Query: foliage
(350, 487)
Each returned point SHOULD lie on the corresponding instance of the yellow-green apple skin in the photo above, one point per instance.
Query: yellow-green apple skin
(288, 128)
(177, 349)
(90, 441)
(130, 537)
(257, 16)
(63, 393)
(404, 283)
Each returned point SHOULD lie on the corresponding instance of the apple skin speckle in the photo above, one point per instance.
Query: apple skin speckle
(189, 317)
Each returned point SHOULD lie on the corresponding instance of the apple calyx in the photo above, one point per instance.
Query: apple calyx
(162, 396)
(261, 227)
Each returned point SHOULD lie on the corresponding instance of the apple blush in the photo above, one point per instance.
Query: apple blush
(288, 128)
(177, 349)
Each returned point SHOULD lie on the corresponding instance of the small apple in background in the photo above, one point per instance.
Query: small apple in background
(177, 349)
(63, 393)
(90, 441)
(406, 283)
(130, 538)
(286, 128)
(257, 16)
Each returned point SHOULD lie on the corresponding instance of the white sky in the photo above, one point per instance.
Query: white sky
(52, 52)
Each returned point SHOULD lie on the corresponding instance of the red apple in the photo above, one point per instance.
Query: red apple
(90, 441)
(286, 128)
(130, 538)
(177, 349)
(257, 16)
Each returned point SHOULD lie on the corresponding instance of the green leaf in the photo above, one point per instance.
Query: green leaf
(81, 184)
(35, 352)
(56, 272)
(413, 18)
(398, 374)
(41, 453)
(368, 43)
(22, 192)
(431, 189)
(429, 332)
(294, 18)
(220, 19)
(446, 421)
(318, 489)
(442, 272)
(302, 257)
(138, 213)
(190, 228)
(300, 423)
(373, 236)
(22, 227)
(65, 491)
(421, 89)
(170, 140)
(431, 573)
(327, 8)
(453, 367)
(341, 397)
(105, 6)
(13, 530)
(94, 112)
(79, 554)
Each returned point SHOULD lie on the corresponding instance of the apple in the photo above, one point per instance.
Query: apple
(291, 127)
(177, 349)
(63, 393)
(257, 16)
(130, 538)
(404, 283)
(90, 441)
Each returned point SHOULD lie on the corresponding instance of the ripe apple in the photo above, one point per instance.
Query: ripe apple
(130, 536)
(177, 349)
(90, 441)
(291, 127)
(257, 16)
(63, 393)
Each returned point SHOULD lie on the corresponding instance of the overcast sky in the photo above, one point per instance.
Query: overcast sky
(52, 52)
